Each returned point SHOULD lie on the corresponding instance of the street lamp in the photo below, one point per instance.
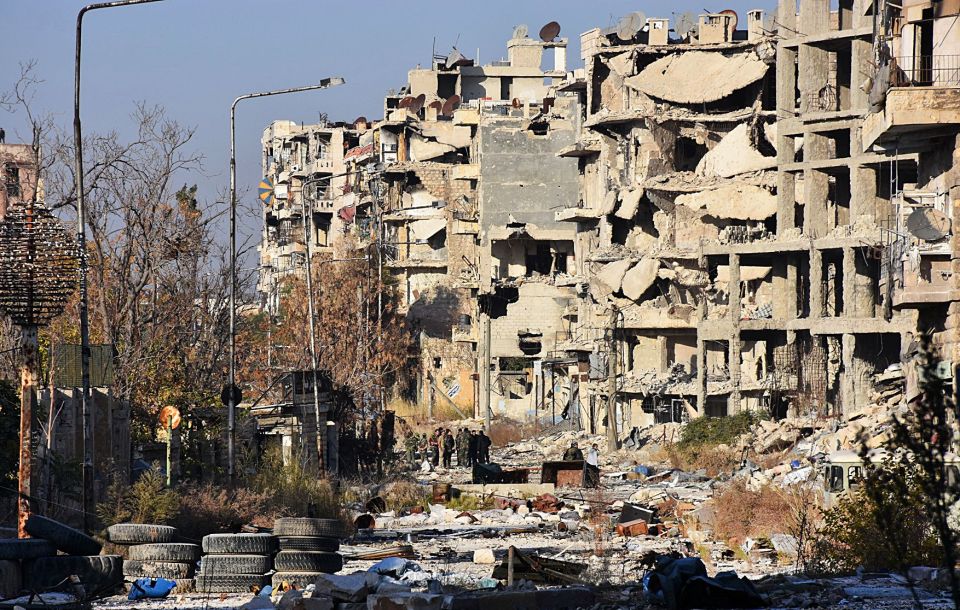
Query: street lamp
(86, 413)
(231, 389)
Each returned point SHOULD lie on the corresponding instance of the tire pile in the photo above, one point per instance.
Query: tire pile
(308, 548)
(235, 562)
(152, 553)
(34, 562)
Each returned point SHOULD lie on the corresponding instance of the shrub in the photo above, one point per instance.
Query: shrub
(740, 513)
(293, 490)
(404, 494)
(707, 431)
(148, 500)
(211, 509)
(883, 525)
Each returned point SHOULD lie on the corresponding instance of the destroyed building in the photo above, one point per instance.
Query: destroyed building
(471, 178)
(302, 164)
(715, 214)
(18, 175)
(764, 221)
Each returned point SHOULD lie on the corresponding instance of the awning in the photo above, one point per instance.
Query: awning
(697, 77)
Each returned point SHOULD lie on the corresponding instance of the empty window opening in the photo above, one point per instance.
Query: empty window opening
(687, 154)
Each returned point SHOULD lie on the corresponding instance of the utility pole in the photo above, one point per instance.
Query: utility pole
(28, 382)
(232, 374)
(612, 440)
(485, 369)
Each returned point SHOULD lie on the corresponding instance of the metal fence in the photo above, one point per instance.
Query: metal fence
(926, 71)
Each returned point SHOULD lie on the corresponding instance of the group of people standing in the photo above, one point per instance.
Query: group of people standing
(472, 447)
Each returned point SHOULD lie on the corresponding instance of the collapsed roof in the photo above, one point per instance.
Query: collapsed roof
(671, 78)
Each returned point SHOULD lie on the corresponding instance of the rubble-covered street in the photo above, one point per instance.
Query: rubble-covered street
(583, 310)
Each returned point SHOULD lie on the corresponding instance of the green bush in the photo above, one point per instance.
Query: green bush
(712, 431)
(293, 490)
(882, 525)
(148, 500)
(211, 509)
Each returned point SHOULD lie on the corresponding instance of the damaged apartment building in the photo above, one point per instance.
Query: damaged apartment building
(716, 213)
(472, 180)
(764, 219)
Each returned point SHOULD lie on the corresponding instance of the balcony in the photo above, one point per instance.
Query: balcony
(923, 101)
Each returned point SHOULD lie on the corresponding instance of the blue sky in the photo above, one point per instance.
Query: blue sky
(194, 56)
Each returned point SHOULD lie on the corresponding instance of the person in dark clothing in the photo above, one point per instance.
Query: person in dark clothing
(472, 449)
(573, 453)
(448, 445)
(435, 441)
(3, 135)
(483, 448)
(462, 447)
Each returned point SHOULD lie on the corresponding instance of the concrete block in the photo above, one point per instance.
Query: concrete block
(484, 557)
(495, 600)
(344, 587)
(567, 598)
(314, 603)
(405, 601)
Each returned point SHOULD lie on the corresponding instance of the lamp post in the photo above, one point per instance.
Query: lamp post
(231, 389)
(85, 398)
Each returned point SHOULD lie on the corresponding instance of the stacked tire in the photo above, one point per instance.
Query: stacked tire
(308, 548)
(235, 563)
(152, 553)
(42, 568)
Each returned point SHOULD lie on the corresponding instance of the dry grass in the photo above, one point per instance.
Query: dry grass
(715, 460)
(417, 413)
(742, 514)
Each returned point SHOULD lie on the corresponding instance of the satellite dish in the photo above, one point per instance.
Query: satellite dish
(170, 417)
(630, 25)
(685, 24)
(417, 103)
(360, 120)
(549, 32)
(520, 31)
(405, 102)
(516, 103)
(436, 104)
(456, 58)
(452, 103)
(928, 224)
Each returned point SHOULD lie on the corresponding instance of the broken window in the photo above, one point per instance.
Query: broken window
(12, 181)
(834, 478)
(687, 154)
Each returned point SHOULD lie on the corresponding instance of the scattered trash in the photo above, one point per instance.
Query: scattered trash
(151, 588)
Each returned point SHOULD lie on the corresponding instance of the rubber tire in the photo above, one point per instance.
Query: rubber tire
(95, 573)
(308, 561)
(305, 526)
(229, 583)
(157, 569)
(235, 564)
(239, 544)
(64, 537)
(301, 580)
(184, 585)
(176, 552)
(140, 533)
(29, 548)
(309, 543)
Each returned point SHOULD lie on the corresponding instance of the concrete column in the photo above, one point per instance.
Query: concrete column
(863, 193)
(786, 190)
(733, 359)
(733, 288)
(861, 54)
(847, 389)
(849, 283)
(816, 283)
(701, 376)
(816, 187)
(664, 364)
(791, 289)
(733, 347)
(786, 80)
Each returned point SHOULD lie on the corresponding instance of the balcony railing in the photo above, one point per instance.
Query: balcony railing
(926, 71)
